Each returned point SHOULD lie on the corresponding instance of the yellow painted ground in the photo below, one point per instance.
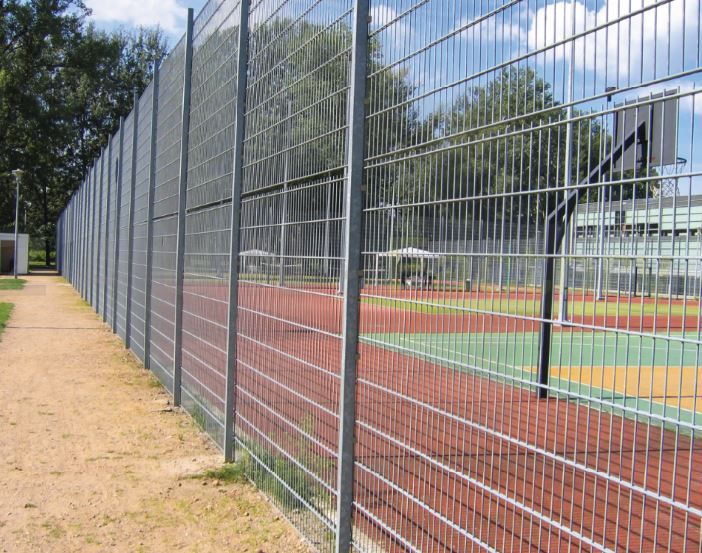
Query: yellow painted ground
(671, 386)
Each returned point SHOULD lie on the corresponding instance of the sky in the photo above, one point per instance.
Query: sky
(635, 45)
(170, 15)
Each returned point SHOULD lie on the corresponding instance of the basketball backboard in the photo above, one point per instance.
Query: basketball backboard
(661, 120)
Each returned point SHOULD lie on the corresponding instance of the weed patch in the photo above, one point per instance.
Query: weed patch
(230, 473)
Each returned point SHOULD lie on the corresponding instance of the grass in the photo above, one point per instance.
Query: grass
(12, 283)
(5, 310)
(272, 473)
(199, 415)
(531, 307)
(231, 473)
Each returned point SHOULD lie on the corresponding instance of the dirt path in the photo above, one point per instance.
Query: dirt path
(92, 456)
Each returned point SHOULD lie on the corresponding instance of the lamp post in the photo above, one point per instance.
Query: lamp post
(18, 174)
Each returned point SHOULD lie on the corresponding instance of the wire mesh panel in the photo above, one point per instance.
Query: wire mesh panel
(165, 213)
(94, 233)
(289, 313)
(83, 234)
(528, 368)
(65, 240)
(100, 234)
(93, 225)
(125, 175)
(504, 402)
(140, 222)
(208, 217)
(112, 174)
(78, 240)
(88, 250)
(90, 237)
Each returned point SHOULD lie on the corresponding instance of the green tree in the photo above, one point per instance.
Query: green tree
(63, 87)
(498, 155)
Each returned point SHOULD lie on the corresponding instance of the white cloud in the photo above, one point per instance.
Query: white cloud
(382, 15)
(168, 14)
(398, 35)
(626, 48)
(491, 29)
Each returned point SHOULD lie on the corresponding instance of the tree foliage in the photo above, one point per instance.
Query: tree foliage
(63, 87)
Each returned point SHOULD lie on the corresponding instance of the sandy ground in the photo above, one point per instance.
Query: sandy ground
(92, 455)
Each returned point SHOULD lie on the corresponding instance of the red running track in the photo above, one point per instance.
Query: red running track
(445, 457)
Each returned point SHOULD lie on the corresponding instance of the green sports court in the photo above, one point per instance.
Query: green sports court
(656, 375)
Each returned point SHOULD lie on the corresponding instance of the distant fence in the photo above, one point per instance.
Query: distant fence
(418, 269)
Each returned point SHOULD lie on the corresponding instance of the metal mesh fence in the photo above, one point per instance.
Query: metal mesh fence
(126, 176)
(99, 236)
(208, 214)
(93, 224)
(430, 269)
(140, 222)
(165, 216)
(112, 228)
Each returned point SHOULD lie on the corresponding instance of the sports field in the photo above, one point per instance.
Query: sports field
(654, 375)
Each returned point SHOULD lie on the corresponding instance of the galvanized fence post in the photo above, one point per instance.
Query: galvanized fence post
(118, 212)
(182, 204)
(107, 230)
(353, 230)
(150, 224)
(130, 228)
(234, 245)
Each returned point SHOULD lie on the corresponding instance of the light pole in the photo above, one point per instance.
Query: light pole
(18, 174)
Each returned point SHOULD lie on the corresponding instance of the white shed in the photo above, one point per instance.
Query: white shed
(7, 253)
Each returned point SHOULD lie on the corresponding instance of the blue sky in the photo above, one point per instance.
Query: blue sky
(170, 15)
(627, 51)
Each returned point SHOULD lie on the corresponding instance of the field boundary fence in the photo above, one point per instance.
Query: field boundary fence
(430, 269)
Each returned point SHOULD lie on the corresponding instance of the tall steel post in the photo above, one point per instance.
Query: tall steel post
(353, 230)
(182, 205)
(237, 185)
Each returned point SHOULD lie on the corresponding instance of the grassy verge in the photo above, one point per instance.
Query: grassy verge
(12, 283)
(5, 310)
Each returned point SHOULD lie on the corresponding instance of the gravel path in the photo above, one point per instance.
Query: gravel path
(92, 455)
